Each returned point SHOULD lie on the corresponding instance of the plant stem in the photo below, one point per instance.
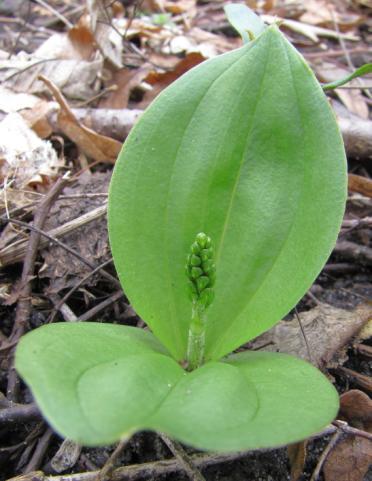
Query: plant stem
(196, 341)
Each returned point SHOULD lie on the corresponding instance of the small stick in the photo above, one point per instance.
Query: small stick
(352, 431)
(364, 349)
(137, 472)
(358, 253)
(24, 303)
(55, 12)
(59, 305)
(102, 305)
(363, 381)
(332, 443)
(39, 452)
(105, 473)
(304, 335)
(15, 251)
(66, 248)
(17, 413)
(184, 459)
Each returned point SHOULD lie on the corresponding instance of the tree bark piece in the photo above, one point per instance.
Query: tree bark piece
(356, 132)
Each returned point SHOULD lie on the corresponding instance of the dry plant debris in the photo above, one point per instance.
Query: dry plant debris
(104, 62)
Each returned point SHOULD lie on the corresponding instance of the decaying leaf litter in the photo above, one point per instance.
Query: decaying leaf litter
(102, 65)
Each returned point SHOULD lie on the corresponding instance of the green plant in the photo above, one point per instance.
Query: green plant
(242, 160)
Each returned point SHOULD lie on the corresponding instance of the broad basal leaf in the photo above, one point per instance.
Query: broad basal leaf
(86, 377)
(98, 382)
(244, 148)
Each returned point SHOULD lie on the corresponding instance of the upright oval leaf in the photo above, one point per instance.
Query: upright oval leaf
(246, 149)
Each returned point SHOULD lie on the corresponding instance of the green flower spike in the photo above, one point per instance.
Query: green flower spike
(201, 272)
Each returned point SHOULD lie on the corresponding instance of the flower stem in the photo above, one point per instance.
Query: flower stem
(196, 341)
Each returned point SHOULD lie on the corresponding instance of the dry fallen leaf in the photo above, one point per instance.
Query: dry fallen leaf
(37, 117)
(327, 329)
(98, 147)
(14, 101)
(71, 60)
(108, 39)
(323, 13)
(198, 40)
(351, 458)
(360, 184)
(297, 456)
(125, 80)
(76, 78)
(161, 80)
(89, 239)
(24, 157)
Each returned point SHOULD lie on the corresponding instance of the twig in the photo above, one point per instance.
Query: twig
(360, 379)
(332, 443)
(39, 452)
(336, 53)
(24, 302)
(303, 332)
(55, 12)
(67, 313)
(137, 472)
(351, 250)
(28, 67)
(59, 305)
(102, 305)
(15, 251)
(352, 431)
(105, 473)
(21, 30)
(66, 248)
(184, 459)
(364, 350)
(19, 413)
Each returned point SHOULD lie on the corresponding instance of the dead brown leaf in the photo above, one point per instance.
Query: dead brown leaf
(297, 456)
(360, 184)
(98, 147)
(324, 14)
(327, 329)
(161, 80)
(15, 101)
(181, 7)
(24, 157)
(356, 409)
(108, 39)
(351, 458)
(89, 239)
(125, 80)
(82, 39)
(37, 118)
(77, 79)
(349, 461)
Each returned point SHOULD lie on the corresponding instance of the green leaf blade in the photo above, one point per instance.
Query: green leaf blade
(97, 383)
(85, 376)
(244, 148)
(251, 401)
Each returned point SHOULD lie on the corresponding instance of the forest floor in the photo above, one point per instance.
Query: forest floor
(68, 65)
